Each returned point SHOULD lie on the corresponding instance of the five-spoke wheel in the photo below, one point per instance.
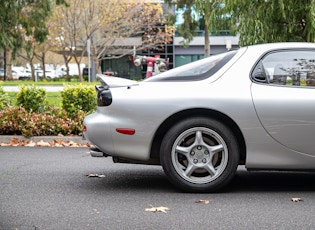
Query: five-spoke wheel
(199, 154)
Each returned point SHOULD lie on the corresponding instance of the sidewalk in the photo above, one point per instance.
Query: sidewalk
(54, 141)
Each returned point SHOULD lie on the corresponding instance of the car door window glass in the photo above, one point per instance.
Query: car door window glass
(289, 68)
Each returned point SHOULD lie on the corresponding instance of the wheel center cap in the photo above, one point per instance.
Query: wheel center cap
(199, 152)
(199, 155)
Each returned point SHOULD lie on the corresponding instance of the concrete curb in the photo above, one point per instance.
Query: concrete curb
(76, 139)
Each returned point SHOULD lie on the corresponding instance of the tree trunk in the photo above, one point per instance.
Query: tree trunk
(43, 57)
(96, 63)
(8, 63)
(30, 59)
(78, 61)
(207, 42)
(33, 70)
(67, 60)
(98, 66)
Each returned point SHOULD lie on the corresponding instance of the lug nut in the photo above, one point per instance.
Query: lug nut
(206, 152)
(199, 147)
(204, 160)
(192, 153)
(195, 161)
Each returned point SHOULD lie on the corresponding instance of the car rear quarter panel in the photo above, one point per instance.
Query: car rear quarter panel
(98, 130)
(145, 107)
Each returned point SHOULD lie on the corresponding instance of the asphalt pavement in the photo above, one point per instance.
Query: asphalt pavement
(52, 188)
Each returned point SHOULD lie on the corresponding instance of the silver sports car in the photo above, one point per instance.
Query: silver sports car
(254, 106)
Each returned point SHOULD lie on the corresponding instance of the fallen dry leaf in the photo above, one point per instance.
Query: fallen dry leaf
(55, 143)
(296, 199)
(30, 144)
(157, 209)
(43, 144)
(14, 141)
(22, 143)
(58, 142)
(202, 201)
(95, 175)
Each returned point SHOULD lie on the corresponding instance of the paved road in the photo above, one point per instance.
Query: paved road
(46, 188)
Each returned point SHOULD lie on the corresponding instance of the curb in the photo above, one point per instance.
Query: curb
(75, 139)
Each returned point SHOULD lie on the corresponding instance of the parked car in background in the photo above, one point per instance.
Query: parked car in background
(202, 120)
(60, 72)
(19, 73)
(49, 73)
(73, 69)
(1, 72)
(85, 71)
(28, 73)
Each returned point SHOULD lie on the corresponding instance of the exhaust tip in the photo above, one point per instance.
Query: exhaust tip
(95, 152)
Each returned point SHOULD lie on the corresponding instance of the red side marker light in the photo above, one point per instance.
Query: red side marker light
(126, 131)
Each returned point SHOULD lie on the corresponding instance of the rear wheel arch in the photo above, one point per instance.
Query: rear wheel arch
(175, 118)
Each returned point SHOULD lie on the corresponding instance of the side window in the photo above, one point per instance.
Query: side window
(288, 67)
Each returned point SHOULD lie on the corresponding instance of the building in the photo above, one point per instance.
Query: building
(174, 52)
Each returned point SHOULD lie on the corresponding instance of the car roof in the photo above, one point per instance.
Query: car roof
(282, 45)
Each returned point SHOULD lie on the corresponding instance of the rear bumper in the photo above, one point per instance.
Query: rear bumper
(97, 132)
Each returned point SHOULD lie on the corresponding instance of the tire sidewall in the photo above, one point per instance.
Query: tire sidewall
(166, 154)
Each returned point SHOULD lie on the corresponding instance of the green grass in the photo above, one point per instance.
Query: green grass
(53, 98)
(12, 97)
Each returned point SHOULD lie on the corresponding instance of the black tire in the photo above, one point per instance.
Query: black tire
(199, 154)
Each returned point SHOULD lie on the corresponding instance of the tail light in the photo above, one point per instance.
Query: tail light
(104, 96)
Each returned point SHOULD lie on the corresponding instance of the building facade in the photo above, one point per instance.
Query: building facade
(174, 52)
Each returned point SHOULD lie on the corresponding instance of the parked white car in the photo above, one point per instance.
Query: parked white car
(50, 74)
(19, 73)
(1, 72)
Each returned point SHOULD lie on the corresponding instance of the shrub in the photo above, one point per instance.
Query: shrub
(12, 119)
(19, 121)
(4, 99)
(32, 98)
(78, 98)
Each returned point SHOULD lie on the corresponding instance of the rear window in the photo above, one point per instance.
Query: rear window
(195, 71)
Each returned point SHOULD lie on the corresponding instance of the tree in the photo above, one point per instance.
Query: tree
(20, 18)
(68, 31)
(41, 51)
(213, 15)
(113, 27)
(191, 18)
(131, 25)
(196, 12)
(33, 50)
(28, 53)
(272, 20)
